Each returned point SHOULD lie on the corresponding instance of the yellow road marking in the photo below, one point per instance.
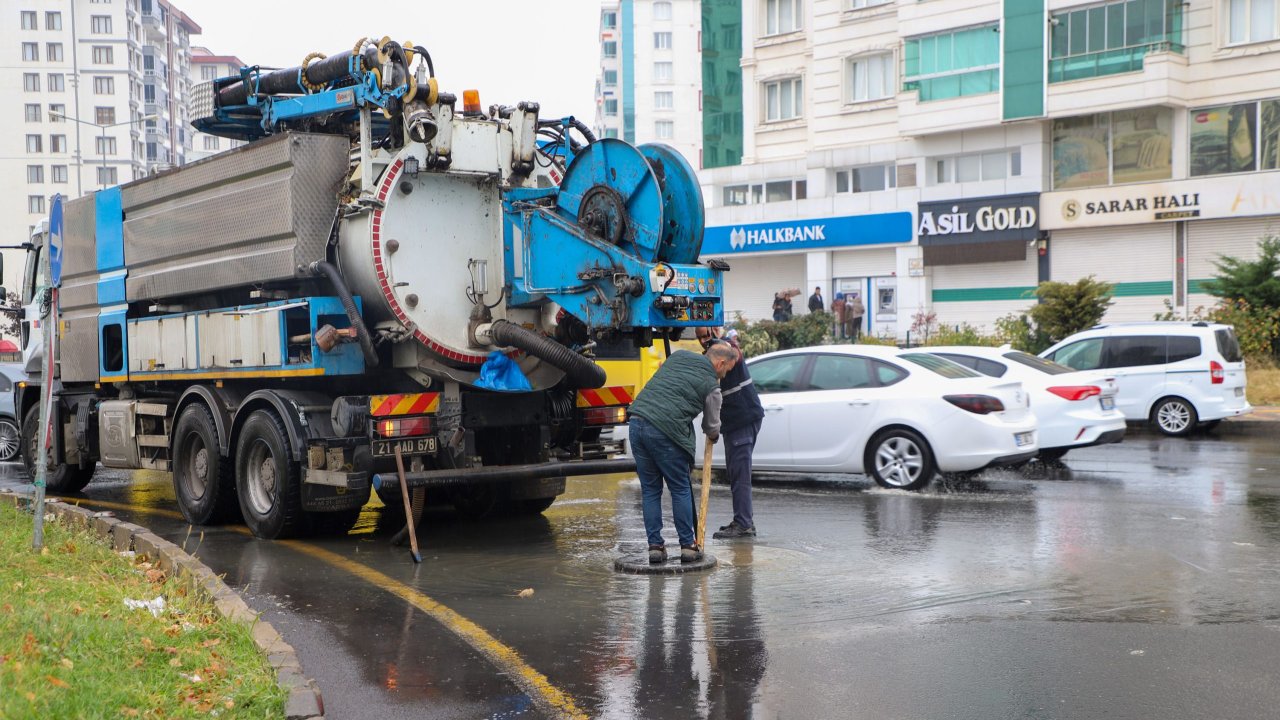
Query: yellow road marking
(548, 697)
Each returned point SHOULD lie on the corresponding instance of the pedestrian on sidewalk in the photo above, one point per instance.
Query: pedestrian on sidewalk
(740, 417)
(816, 303)
(854, 309)
(662, 439)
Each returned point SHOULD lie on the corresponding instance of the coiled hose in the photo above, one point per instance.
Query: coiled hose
(349, 304)
(581, 371)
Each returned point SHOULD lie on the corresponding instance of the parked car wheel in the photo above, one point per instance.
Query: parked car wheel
(900, 459)
(1174, 416)
(10, 440)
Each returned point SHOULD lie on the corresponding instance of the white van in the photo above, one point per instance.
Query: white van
(1177, 375)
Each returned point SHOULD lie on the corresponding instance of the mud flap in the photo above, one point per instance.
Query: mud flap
(320, 494)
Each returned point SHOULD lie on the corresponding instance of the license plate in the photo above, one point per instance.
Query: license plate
(408, 446)
(1108, 403)
(1240, 392)
(1022, 439)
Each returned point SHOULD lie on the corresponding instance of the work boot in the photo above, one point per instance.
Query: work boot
(657, 554)
(690, 553)
(734, 531)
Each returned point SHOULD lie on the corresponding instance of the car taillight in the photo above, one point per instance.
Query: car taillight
(1075, 392)
(1216, 373)
(977, 404)
(604, 416)
(403, 427)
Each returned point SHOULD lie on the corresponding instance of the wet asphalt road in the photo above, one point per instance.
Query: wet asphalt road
(1139, 582)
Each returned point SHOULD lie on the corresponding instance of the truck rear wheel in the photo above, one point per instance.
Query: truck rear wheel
(267, 479)
(203, 481)
(61, 478)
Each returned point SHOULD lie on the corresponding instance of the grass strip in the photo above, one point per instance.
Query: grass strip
(70, 647)
(1263, 385)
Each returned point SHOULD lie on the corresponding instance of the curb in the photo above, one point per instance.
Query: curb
(305, 701)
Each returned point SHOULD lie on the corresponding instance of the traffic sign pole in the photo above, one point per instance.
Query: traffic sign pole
(51, 258)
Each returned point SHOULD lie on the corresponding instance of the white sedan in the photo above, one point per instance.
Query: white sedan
(1075, 408)
(899, 416)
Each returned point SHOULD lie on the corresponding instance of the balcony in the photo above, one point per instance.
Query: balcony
(1161, 79)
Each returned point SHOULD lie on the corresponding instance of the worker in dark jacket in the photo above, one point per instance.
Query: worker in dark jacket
(740, 416)
(662, 439)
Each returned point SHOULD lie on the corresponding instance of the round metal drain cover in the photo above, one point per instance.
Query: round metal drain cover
(638, 564)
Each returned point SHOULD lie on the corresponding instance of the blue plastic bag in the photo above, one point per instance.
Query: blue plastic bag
(500, 372)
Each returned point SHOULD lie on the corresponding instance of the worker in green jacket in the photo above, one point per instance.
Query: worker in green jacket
(662, 439)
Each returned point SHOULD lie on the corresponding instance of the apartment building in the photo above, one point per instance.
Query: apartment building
(96, 97)
(206, 67)
(649, 88)
(946, 156)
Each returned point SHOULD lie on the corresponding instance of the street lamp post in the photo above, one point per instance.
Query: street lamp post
(102, 146)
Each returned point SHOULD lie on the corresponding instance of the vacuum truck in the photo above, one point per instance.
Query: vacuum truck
(375, 273)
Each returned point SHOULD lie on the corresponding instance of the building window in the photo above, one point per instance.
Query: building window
(953, 64)
(783, 190)
(102, 54)
(29, 20)
(53, 21)
(783, 99)
(35, 173)
(106, 176)
(208, 73)
(610, 106)
(33, 144)
(609, 48)
(58, 173)
(57, 83)
(781, 16)
(610, 77)
(31, 52)
(1120, 147)
(31, 82)
(104, 86)
(211, 142)
(100, 24)
(870, 178)
(870, 77)
(35, 204)
(609, 20)
(1251, 21)
(53, 52)
(859, 4)
(57, 143)
(1235, 138)
(1112, 37)
(664, 129)
(664, 100)
(106, 145)
(611, 133)
(104, 115)
(31, 111)
(662, 72)
(662, 41)
(662, 11)
(977, 167)
(57, 112)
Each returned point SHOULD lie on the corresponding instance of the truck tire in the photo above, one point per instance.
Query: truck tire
(203, 481)
(61, 479)
(267, 480)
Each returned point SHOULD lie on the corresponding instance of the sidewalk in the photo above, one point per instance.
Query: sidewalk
(1265, 419)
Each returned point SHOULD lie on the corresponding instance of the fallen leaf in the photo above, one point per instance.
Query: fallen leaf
(146, 643)
(155, 576)
(527, 592)
(175, 662)
(129, 712)
(210, 643)
(56, 682)
(28, 643)
(66, 663)
(229, 704)
(31, 697)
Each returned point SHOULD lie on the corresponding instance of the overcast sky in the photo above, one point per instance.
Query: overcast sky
(510, 50)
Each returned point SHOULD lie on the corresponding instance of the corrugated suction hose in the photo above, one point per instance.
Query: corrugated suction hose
(581, 371)
(349, 304)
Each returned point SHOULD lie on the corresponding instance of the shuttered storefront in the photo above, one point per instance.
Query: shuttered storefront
(864, 263)
(751, 283)
(981, 293)
(1208, 239)
(1138, 259)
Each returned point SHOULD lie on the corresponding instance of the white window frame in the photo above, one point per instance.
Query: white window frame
(664, 129)
(864, 4)
(104, 55)
(889, 175)
(211, 142)
(35, 174)
(663, 40)
(35, 144)
(31, 82)
(104, 85)
(61, 82)
(57, 112)
(30, 52)
(58, 174)
(108, 176)
(889, 72)
(609, 20)
(606, 45)
(35, 204)
(105, 145)
(611, 111)
(31, 112)
(53, 52)
(604, 78)
(774, 15)
(57, 143)
(1247, 7)
(952, 165)
(772, 111)
(100, 24)
(664, 100)
(52, 20)
(30, 19)
(662, 11)
(664, 77)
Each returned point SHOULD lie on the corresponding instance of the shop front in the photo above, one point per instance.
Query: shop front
(851, 253)
(1158, 242)
(981, 255)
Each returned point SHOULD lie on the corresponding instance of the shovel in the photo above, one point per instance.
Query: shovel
(706, 493)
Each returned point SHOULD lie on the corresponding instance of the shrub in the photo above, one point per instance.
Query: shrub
(1067, 308)
(755, 340)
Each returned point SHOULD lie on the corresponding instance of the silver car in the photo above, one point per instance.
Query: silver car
(10, 374)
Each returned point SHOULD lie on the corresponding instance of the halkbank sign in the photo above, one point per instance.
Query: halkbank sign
(808, 234)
